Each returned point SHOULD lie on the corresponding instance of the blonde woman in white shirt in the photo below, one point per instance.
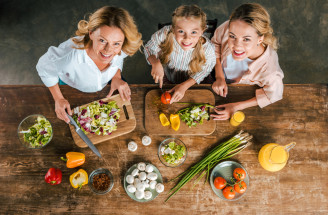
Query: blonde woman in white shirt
(94, 57)
(180, 53)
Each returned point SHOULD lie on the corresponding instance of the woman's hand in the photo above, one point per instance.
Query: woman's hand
(61, 105)
(122, 87)
(178, 93)
(220, 87)
(224, 111)
(157, 72)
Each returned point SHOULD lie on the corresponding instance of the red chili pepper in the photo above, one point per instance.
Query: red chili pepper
(53, 176)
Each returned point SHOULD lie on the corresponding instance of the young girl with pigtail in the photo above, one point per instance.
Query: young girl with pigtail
(179, 53)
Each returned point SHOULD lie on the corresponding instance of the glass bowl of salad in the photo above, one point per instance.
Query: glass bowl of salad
(35, 131)
(172, 152)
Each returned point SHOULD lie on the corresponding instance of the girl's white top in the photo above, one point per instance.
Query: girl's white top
(75, 68)
(177, 68)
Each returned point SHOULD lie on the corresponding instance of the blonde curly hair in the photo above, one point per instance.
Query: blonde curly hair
(198, 55)
(110, 16)
(258, 17)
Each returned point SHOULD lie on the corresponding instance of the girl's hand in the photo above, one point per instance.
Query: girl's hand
(157, 72)
(61, 105)
(122, 87)
(178, 93)
(225, 111)
(220, 87)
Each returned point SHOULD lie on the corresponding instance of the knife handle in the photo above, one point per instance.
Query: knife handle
(126, 112)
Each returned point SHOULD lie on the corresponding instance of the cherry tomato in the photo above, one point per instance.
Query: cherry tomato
(240, 187)
(239, 174)
(219, 183)
(166, 98)
(228, 192)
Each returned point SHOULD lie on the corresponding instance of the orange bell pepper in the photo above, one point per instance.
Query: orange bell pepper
(79, 178)
(74, 159)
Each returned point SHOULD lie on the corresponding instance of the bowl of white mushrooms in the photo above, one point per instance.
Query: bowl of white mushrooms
(143, 182)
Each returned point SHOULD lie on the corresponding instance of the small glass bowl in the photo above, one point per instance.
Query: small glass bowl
(166, 142)
(100, 171)
(25, 124)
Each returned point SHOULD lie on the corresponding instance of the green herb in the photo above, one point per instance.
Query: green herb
(194, 114)
(223, 151)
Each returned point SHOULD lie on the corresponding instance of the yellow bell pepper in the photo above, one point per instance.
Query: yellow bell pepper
(74, 159)
(79, 178)
(164, 120)
(175, 121)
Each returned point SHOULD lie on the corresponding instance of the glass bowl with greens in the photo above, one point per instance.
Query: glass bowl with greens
(172, 152)
(35, 131)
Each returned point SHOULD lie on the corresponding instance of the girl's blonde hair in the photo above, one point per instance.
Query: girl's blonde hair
(198, 55)
(258, 17)
(113, 17)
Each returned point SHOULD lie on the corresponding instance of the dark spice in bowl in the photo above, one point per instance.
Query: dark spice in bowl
(101, 182)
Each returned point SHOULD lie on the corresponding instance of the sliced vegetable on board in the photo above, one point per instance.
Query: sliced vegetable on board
(175, 121)
(74, 159)
(195, 114)
(164, 120)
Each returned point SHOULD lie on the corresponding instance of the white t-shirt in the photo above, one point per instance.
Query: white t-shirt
(234, 69)
(75, 68)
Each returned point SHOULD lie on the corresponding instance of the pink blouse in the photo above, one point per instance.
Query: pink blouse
(264, 71)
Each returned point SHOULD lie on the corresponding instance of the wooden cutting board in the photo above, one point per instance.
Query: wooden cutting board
(126, 123)
(153, 107)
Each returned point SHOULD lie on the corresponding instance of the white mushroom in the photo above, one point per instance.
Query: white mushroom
(136, 182)
(148, 194)
(152, 176)
(131, 188)
(139, 194)
(142, 166)
(159, 188)
(152, 184)
(146, 140)
(132, 146)
(149, 168)
(141, 187)
(130, 179)
(145, 184)
(142, 176)
(135, 172)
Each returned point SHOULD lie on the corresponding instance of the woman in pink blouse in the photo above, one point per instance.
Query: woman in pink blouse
(246, 54)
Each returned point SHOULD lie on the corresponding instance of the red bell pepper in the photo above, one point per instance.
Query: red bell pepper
(53, 176)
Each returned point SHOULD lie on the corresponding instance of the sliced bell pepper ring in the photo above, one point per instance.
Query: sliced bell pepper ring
(53, 176)
(79, 178)
(74, 159)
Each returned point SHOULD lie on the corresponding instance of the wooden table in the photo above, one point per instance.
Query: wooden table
(300, 188)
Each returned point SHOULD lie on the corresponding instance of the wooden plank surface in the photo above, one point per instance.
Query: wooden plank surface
(126, 123)
(154, 106)
(300, 188)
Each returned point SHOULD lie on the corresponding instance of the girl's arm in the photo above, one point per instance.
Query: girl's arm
(120, 85)
(219, 86)
(180, 89)
(157, 70)
(230, 108)
(61, 104)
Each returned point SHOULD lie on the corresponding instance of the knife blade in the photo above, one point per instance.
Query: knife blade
(84, 137)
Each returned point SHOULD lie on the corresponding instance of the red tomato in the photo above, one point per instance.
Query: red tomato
(240, 187)
(228, 192)
(239, 174)
(219, 183)
(166, 99)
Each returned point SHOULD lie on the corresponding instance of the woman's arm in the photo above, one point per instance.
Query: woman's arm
(157, 71)
(61, 104)
(180, 89)
(230, 108)
(120, 85)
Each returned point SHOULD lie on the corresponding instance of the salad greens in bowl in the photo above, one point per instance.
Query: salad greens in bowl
(35, 131)
(172, 152)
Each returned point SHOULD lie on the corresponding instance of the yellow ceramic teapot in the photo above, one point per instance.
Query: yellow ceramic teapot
(273, 157)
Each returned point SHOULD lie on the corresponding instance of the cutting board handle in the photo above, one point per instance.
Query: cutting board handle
(126, 112)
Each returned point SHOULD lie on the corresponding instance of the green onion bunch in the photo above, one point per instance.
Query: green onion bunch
(223, 151)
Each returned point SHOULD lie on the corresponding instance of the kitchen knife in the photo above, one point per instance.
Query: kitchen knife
(83, 136)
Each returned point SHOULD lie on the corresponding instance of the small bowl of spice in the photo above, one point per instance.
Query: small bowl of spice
(101, 181)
